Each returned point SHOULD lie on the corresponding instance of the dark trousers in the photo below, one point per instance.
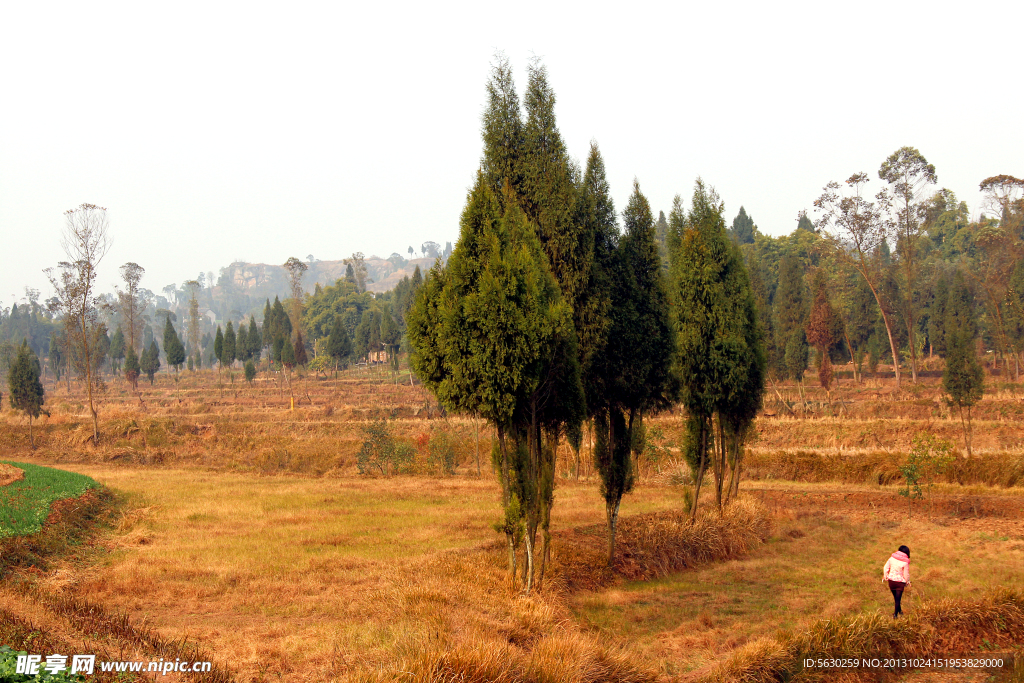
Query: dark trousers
(897, 594)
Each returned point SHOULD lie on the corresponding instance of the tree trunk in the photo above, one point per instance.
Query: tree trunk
(31, 438)
(703, 466)
(504, 502)
(612, 511)
(477, 425)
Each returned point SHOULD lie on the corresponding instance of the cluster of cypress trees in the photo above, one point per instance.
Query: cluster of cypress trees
(548, 314)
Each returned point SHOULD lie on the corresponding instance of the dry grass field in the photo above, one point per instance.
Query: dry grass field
(243, 527)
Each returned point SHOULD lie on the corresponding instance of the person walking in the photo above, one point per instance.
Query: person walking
(897, 573)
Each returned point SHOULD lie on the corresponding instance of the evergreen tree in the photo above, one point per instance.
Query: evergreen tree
(250, 371)
(791, 315)
(150, 361)
(26, 390)
(300, 349)
(287, 354)
(661, 236)
(339, 344)
(502, 131)
(743, 228)
(242, 343)
(255, 341)
(714, 307)
(480, 330)
(173, 348)
(117, 348)
(937, 316)
(228, 346)
(281, 324)
(191, 364)
(594, 303)
(218, 346)
(804, 222)
(638, 357)
(824, 330)
(132, 367)
(175, 353)
(963, 379)
(268, 337)
(57, 359)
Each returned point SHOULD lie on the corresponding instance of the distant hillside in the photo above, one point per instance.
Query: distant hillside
(264, 281)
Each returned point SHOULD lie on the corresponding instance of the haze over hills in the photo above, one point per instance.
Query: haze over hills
(243, 288)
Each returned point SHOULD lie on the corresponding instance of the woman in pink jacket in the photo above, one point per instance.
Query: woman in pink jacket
(897, 572)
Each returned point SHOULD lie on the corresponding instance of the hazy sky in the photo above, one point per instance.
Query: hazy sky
(215, 132)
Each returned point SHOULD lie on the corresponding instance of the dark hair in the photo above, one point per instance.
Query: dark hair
(905, 550)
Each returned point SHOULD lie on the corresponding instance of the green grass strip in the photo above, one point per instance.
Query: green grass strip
(25, 504)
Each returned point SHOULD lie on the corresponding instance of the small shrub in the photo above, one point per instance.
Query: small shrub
(441, 452)
(382, 452)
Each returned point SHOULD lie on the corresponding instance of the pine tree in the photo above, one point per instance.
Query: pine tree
(743, 228)
(132, 367)
(937, 316)
(150, 361)
(26, 390)
(339, 344)
(714, 309)
(502, 132)
(117, 345)
(218, 346)
(638, 357)
(241, 343)
(255, 341)
(287, 354)
(268, 336)
(963, 379)
(228, 346)
(250, 371)
(300, 349)
(791, 315)
(479, 333)
(173, 348)
(824, 330)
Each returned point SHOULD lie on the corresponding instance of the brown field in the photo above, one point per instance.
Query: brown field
(244, 528)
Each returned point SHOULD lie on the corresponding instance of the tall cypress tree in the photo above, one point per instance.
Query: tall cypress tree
(228, 348)
(636, 363)
(791, 309)
(150, 362)
(708, 281)
(218, 346)
(743, 228)
(242, 343)
(502, 131)
(27, 393)
(339, 344)
(963, 379)
(480, 330)
(255, 342)
(117, 345)
(132, 367)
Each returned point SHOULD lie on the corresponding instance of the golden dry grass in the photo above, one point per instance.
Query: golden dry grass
(248, 533)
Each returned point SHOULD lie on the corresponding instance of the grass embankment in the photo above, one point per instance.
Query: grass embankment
(25, 503)
(1003, 470)
(822, 562)
(949, 626)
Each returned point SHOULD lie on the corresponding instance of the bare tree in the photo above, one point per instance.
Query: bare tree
(131, 304)
(296, 269)
(85, 242)
(908, 174)
(854, 227)
(193, 315)
(358, 263)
